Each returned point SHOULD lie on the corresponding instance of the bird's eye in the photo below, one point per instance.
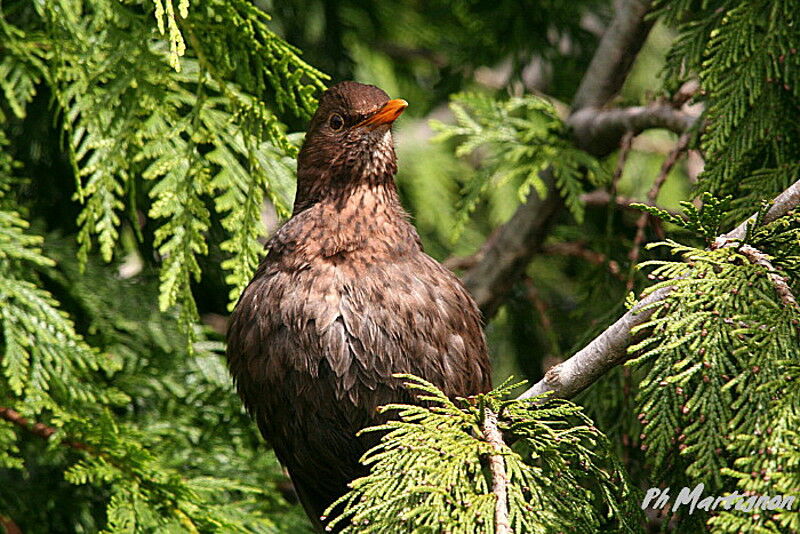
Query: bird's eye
(336, 122)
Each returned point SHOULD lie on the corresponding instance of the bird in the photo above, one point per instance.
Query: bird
(344, 299)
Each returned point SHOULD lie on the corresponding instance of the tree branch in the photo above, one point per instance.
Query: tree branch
(609, 349)
(504, 260)
(497, 467)
(615, 55)
(579, 250)
(598, 131)
(38, 429)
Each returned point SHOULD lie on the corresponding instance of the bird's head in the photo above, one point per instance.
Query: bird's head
(349, 141)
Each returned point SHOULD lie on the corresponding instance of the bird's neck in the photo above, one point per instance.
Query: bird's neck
(344, 188)
(364, 215)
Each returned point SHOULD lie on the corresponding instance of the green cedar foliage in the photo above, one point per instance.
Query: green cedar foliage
(128, 444)
(430, 474)
(517, 139)
(112, 421)
(200, 134)
(746, 57)
(721, 360)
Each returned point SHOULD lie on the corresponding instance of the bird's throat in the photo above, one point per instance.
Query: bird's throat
(361, 218)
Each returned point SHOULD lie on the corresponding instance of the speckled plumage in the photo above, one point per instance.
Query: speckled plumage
(344, 298)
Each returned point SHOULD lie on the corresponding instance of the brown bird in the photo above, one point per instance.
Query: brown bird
(344, 298)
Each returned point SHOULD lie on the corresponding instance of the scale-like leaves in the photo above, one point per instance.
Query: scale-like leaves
(430, 472)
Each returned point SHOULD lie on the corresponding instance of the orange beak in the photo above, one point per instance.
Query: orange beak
(386, 115)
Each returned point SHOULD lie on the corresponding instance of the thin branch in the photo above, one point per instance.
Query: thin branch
(598, 197)
(780, 282)
(625, 146)
(598, 131)
(490, 280)
(784, 203)
(609, 349)
(39, 429)
(497, 467)
(578, 249)
(467, 262)
(686, 93)
(652, 195)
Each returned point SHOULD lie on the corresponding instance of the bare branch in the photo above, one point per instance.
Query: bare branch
(466, 262)
(490, 280)
(625, 146)
(497, 467)
(652, 195)
(615, 55)
(579, 250)
(504, 261)
(609, 349)
(598, 131)
(785, 202)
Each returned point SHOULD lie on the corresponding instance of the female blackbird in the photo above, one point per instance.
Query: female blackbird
(344, 298)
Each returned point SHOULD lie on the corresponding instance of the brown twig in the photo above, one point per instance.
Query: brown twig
(497, 467)
(598, 197)
(532, 293)
(39, 429)
(609, 349)
(625, 145)
(467, 262)
(780, 282)
(652, 195)
(685, 93)
(578, 249)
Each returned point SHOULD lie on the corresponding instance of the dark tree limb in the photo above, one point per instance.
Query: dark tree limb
(579, 249)
(615, 55)
(600, 197)
(599, 131)
(652, 196)
(504, 259)
(609, 349)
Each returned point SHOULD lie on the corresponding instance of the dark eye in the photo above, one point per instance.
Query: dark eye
(336, 122)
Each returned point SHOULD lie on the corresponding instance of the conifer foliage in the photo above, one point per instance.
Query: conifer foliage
(430, 473)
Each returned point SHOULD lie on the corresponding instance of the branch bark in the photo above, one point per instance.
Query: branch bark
(38, 429)
(609, 349)
(599, 197)
(615, 55)
(504, 259)
(599, 131)
(497, 467)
